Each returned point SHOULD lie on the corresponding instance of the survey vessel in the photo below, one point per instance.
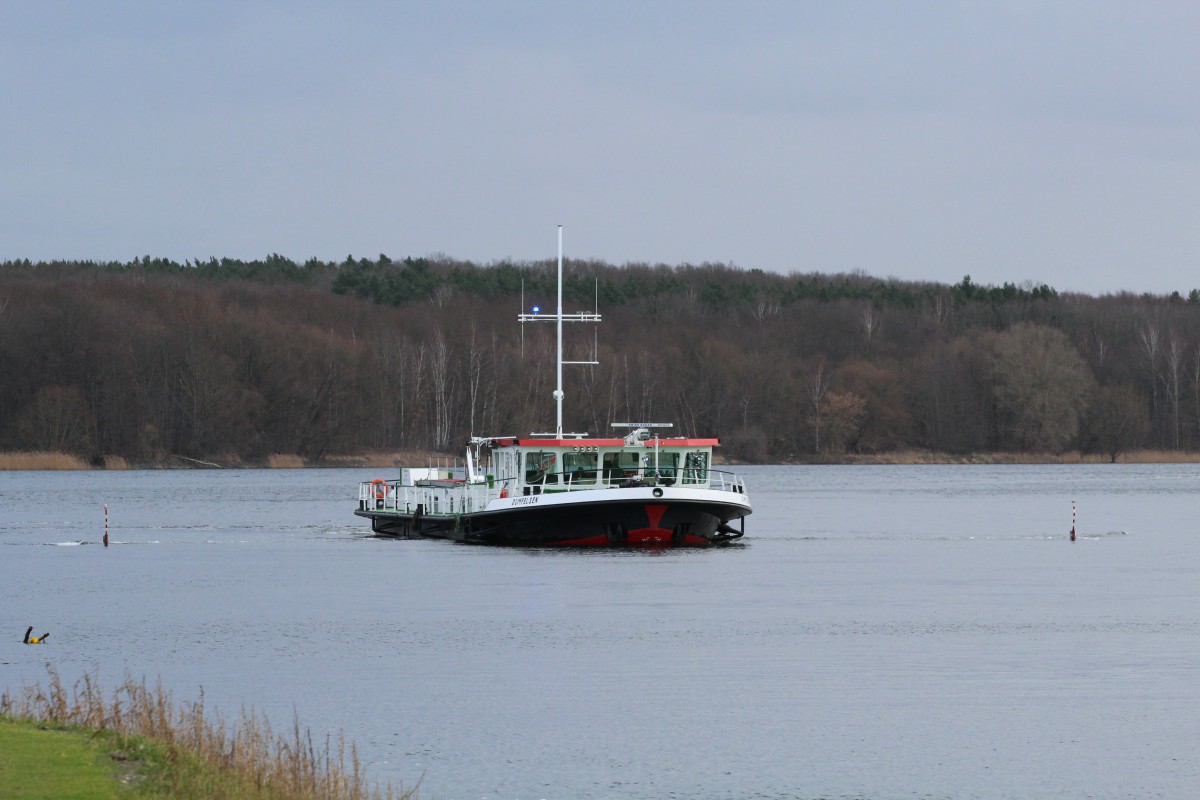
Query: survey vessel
(638, 486)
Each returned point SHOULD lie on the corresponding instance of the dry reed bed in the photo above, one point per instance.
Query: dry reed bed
(1159, 457)
(209, 759)
(30, 460)
(398, 458)
(36, 460)
(1070, 457)
(284, 461)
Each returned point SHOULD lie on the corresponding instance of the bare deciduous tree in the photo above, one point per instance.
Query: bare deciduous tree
(1041, 386)
(871, 321)
(1172, 378)
(1117, 420)
(57, 420)
(816, 389)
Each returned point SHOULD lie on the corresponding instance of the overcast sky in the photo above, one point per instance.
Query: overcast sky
(1054, 142)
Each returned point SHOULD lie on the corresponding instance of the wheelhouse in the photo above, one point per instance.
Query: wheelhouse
(537, 465)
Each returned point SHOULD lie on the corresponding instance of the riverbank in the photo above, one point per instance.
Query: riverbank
(405, 458)
(1071, 457)
(42, 763)
(55, 743)
(26, 460)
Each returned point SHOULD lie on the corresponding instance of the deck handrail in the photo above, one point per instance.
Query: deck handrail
(436, 497)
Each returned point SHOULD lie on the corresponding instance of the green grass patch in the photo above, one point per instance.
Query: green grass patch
(43, 763)
(137, 744)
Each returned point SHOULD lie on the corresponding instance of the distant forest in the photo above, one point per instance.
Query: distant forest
(237, 360)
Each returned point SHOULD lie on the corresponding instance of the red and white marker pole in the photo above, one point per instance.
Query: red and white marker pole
(106, 526)
(1072, 520)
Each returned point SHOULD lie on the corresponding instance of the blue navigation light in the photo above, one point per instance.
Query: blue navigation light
(537, 309)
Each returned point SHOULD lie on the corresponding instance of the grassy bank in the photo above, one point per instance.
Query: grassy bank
(41, 763)
(56, 743)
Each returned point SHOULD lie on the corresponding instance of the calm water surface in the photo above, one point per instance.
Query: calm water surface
(884, 632)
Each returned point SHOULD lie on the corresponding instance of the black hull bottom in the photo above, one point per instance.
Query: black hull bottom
(624, 524)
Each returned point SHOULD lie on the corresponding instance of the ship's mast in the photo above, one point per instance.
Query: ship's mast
(558, 391)
(559, 318)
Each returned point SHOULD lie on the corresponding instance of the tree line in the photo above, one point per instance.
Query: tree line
(236, 360)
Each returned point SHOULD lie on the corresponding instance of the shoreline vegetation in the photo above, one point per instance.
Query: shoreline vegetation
(141, 744)
(51, 461)
(154, 363)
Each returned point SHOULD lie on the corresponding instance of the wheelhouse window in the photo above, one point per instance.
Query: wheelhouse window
(621, 466)
(541, 468)
(580, 468)
(506, 469)
(668, 464)
(695, 467)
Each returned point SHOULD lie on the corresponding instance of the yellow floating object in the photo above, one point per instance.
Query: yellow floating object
(34, 639)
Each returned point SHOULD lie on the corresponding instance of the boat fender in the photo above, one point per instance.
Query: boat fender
(657, 492)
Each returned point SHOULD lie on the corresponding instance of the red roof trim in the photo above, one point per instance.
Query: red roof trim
(613, 442)
(571, 442)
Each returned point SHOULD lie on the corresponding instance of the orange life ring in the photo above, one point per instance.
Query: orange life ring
(380, 488)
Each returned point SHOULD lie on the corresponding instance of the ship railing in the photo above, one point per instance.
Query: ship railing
(450, 497)
(585, 479)
(427, 497)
